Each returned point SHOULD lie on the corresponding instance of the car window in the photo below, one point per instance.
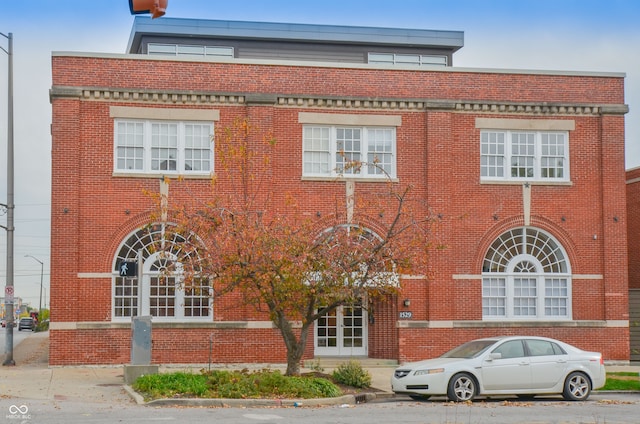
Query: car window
(557, 350)
(540, 348)
(470, 349)
(510, 349)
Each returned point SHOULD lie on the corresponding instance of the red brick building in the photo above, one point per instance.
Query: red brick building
(633, 230)
(524, 169)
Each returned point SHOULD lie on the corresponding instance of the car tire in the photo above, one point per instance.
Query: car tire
(577, 386)
(462, 388)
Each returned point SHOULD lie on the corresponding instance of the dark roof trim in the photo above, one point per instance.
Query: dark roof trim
(179, 27)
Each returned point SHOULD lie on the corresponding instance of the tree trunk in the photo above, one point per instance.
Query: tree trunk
(295, 347)
(294, 358)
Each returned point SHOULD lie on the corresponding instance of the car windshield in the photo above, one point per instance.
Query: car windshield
(469, 350)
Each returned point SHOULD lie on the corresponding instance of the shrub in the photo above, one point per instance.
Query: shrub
(268, 383)
(320, 388)
(171, 385)
(234, 385)
(315, 366)
(352, 374)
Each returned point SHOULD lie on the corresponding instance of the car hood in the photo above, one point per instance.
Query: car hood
(431, 363)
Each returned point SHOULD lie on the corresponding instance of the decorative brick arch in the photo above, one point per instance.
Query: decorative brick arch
(536, 222)
(124, 230)
(359, 220)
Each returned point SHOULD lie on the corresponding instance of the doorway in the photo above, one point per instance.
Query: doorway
(342, 332)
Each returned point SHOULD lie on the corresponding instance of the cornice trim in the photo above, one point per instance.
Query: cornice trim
(335, 103)
(145, 96)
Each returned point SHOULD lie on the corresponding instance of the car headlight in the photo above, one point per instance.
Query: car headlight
(429, 371)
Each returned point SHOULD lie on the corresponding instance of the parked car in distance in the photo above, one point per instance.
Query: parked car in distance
(524, 366)
(4, 323)
(26, 324)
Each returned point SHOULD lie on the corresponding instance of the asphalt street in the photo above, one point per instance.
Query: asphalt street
(32, 392)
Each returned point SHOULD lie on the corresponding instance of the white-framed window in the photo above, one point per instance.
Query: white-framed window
(526, 276)
(407, 59)
(329, 151)
(507, 155)
(167, 147)
(158, 290)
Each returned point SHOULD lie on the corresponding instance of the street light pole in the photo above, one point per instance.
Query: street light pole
(41, 273)
(8, 290)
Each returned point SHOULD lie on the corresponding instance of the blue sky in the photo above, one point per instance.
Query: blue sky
(581, 35)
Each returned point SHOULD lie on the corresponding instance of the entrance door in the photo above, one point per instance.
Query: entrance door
(342, 332)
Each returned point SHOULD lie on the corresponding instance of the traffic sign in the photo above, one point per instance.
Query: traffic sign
(8, 294)
(128, 268)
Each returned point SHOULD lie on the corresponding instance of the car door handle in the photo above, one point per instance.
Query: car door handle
(523, 363)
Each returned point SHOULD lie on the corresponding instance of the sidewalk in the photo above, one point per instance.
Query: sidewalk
(32, 378)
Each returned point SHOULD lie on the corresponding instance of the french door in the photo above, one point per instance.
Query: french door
(342, 332)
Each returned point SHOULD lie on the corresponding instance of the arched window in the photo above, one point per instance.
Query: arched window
(158, 289)
(526, 276)
(374, 268)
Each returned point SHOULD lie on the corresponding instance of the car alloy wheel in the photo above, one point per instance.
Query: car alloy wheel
(577, 387)
(462, 388)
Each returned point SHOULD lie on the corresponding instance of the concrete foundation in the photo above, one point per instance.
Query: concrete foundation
(132, 372)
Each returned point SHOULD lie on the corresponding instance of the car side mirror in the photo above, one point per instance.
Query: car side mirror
(494, 355)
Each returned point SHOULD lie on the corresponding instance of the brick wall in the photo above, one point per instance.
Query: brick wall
(340, 82)
(633, 226)
(168, 346)
(417, 344)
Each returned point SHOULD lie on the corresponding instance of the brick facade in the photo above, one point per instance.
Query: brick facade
(633, 231)
(93, 211)
(633, 226)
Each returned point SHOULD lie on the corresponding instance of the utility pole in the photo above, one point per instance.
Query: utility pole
(10, 206)
(41, 274)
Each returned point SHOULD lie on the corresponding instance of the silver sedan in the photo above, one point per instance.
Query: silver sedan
(517, 365)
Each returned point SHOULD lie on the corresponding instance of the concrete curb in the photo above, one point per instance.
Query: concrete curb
(346, 400)
(342, 401)
(134, 395)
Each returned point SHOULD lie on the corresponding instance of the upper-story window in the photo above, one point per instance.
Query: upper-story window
(187, 50)
(407, 59)
(507, 155)
(339, 151)
(145, 146)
